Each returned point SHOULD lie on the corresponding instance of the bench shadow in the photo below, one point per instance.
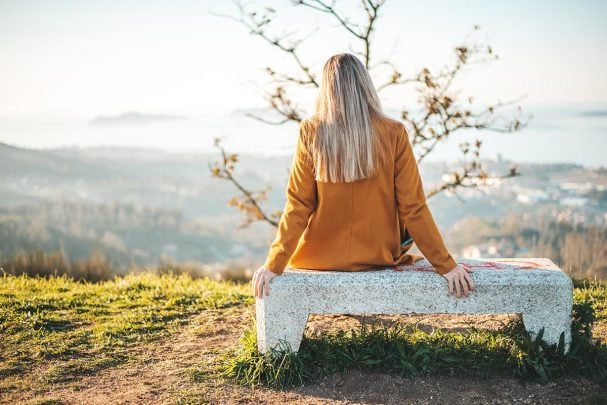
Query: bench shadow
(379, 387)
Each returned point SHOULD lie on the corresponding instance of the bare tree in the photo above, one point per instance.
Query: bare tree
(248, 201)
(443, 111)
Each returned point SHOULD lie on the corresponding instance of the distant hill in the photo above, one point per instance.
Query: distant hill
(16, 163)
(134, 118)
(595, 113)
(138, 204)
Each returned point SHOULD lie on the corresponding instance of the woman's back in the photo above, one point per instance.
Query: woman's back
(357, 225)
(355, 200)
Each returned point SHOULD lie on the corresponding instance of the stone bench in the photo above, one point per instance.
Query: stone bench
(535, 288)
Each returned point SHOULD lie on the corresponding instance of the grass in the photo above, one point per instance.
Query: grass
(63, 329)
(406, 350)
(73, 328)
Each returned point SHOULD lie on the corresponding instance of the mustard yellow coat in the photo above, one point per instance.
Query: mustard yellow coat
(360, 225)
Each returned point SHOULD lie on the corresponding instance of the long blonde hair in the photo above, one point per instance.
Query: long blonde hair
(345, 148)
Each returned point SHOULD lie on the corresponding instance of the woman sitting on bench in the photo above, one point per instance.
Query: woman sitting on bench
(355, 199)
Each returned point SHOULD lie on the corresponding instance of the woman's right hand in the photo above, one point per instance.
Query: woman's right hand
(459, 280)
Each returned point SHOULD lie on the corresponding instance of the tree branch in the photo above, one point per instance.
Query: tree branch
(443, 111)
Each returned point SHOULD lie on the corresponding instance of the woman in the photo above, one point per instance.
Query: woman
(354, 190)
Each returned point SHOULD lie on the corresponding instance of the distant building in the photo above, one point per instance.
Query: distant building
(471, 252)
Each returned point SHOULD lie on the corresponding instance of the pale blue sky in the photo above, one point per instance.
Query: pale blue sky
(107, 57)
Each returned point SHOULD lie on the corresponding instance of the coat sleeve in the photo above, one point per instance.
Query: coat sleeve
(301, 201)
(413, 209)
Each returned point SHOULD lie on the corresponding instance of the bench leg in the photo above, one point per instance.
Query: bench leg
(277, 328)
(554, 325)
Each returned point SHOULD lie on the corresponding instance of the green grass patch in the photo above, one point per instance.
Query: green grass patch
(67, 328)
(78, 327)
(408, 351)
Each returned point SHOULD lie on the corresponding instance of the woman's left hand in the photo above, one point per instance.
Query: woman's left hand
(261, 281)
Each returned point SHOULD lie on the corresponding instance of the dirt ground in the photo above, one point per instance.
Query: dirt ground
(171, 371)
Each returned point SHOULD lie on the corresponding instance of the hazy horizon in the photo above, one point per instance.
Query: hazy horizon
(65, 63)
(575, 133)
